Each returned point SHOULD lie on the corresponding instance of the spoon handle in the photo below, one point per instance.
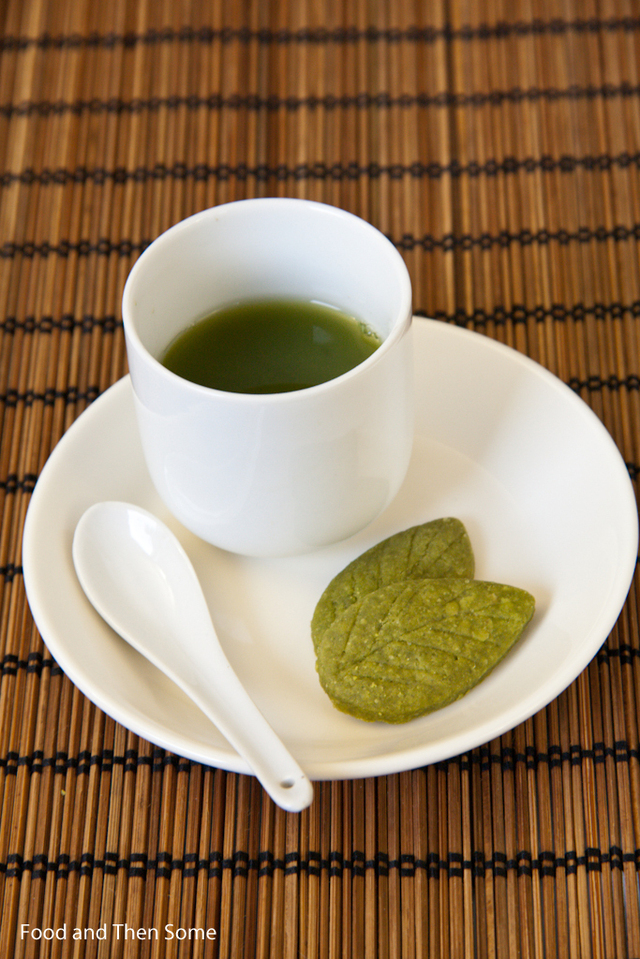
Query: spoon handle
(208, 678)
(241, 722)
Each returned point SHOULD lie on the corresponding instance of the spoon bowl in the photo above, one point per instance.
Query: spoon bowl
(140, 580)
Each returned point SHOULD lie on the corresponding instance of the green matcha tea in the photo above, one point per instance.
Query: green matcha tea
(270, 346)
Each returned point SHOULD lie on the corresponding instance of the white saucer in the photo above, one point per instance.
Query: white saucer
(500, 443)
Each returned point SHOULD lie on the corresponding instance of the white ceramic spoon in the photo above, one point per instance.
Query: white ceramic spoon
(139, 578)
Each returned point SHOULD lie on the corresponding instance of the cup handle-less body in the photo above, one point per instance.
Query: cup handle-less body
(275, 474)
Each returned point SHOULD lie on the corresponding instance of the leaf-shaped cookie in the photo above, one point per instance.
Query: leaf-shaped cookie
(414, 646)
(431, 550)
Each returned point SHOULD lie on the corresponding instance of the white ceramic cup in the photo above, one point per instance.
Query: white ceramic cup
(283, 473)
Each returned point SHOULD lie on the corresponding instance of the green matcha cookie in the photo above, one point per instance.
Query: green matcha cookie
(410, 647)
(432, 550)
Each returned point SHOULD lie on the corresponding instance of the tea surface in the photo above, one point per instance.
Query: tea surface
(270, 346)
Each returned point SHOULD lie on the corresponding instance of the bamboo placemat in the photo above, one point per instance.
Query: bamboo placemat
(498, 145)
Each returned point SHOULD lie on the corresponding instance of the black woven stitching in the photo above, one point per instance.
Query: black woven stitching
(508, 758)
(320, 170)
(360, 101)
(34, 663)
(48, 397)
(624, 652)
(505, 238)
(408, 242)
(323, 35)
(596, 384)
(500, 315)
(240, 864)
(363, 100)
(103, 247)
(62, 763)
(66, 324)
(18, 484)
(9, 571)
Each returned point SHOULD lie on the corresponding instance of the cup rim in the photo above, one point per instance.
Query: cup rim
(399, 329)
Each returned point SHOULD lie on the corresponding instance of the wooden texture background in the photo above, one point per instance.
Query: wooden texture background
(498, 145)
